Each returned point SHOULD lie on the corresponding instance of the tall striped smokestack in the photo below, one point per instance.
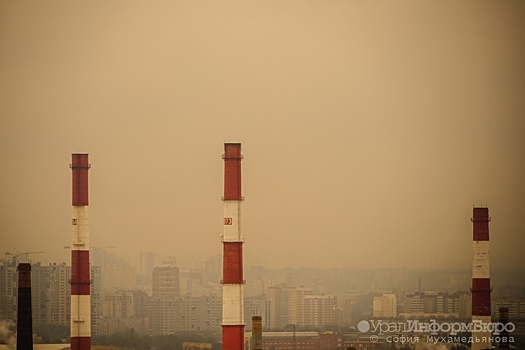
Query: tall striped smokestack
(24, 322)
(80, 280)
(257, 340)
(481, 278)
(232, 240)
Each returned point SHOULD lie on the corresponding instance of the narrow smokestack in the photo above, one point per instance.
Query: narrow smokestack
(481, 278)
(232, 240)
(80, 280)
(24, 327)
(257, 341)
(504, 335)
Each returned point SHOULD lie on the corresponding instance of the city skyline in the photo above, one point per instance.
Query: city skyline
(380, 292)
(370, 130)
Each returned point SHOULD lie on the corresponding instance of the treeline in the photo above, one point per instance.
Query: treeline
(46, 333)
(131, 340)
(135, 341)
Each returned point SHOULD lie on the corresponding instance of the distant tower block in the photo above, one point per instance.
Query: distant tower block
(80, 280)
(24, 322)
(232, 240)
(257, 339)
(481, 278)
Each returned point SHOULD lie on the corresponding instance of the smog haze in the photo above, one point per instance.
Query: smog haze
(369, 129)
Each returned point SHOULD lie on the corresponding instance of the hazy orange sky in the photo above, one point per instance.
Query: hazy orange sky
(369, 128)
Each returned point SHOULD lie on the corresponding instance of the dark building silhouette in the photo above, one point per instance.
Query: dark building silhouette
(24, 334)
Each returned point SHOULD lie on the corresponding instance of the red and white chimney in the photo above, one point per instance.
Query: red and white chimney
(481, 279)
(232, 240)
(80, 280)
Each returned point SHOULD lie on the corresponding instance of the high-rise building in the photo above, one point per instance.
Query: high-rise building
(200, 313)
(437, 304)
(319, 310)
(51, 292)
(283, 306)
(290, 305)
(258, 305)
(165, 281)
(123, 310)
(8, 289)
(147, 263)
(164, 315)
(165, 305)
(96, 300)
(385, 306)
(346, 303)
(213, 269)
(57, 297)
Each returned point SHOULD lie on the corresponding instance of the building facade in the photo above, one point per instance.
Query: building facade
(438, 305)
(301, 307)
(166, 281)
(385, 306)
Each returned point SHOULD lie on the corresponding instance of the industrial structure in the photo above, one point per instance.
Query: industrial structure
(24, 322)
(504, 336)
(256, 342)
(80, 271)
(232, 240)
(481, 311)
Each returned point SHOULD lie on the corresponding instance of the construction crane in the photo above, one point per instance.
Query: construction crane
(193, 346)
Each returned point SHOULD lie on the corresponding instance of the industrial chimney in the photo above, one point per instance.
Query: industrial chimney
(80, 280)
(232, 240)
(24, 322)
(504, 335)
(481, 278)
(257, 341)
